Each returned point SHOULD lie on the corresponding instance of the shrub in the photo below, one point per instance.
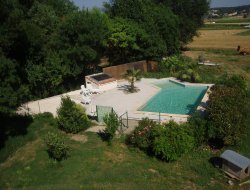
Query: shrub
(226, 113)
(72, 117)
(189, 75)
(56, 147)
(112, 124)
(171, 140)
(141, 136)
(172, 64)
(198, 126)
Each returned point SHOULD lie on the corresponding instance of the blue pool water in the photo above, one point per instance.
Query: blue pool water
(175, 98)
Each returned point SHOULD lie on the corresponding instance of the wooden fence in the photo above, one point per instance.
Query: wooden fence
(118, 70)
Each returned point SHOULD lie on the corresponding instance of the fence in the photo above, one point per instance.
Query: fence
(101, 111)
(118, 70)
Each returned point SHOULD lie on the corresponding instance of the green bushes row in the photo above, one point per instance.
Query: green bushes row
(167, 141)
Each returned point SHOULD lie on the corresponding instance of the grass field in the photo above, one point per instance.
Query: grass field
(244, 33)
(232, 20)
(225, 39)
(222, 27)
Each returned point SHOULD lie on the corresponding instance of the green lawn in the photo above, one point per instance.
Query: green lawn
(232, 20)
(245, 33)
(221, 27)
(94, 165)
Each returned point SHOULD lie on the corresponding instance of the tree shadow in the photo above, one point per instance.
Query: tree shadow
(102, 135)
(216, 162)
(216, 143)
(13, 125)
(127, 89)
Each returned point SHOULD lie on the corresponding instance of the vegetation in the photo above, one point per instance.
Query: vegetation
(221, 27)
(46, 45)
(233, 20)
(171, 141)
(245, 33)
(56, 147)
(227, 111)
(142, 135)
(133, 75)
(167, 142)
(177, 66)
(71, 117)
(112, 123)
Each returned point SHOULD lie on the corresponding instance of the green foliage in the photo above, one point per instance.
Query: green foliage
(172, 64)
(190, 14)
(112, 124)
(142, 135)
(226, 113)
(167, 142)
(235, 81)
(171, 140)
(158, 22)
(124, 41)
(133, 75)
(56, 147)
(12, 92)
(71, 117)
(198, 126)
(189, 75)
(245, 33)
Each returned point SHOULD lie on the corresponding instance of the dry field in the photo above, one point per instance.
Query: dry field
(220, 39)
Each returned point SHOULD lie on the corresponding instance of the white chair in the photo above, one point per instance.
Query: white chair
(86, 99)
(93, 90)
(84, 90)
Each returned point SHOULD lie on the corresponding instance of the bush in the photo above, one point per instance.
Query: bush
(141, 136)
(226, 113)
(172, 64)
(56, 147)
(171, 140)
(198, 127)
(72, 117)
(189, 75)
(112, 124)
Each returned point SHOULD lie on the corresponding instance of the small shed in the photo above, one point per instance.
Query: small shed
(235, 165)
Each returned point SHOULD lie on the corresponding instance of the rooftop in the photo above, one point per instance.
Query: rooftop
(235, 158)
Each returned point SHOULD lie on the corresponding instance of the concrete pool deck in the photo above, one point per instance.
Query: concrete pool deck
(119, 99)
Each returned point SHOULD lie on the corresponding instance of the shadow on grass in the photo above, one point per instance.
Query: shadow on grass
(216, 162)
(13, 125)
(103, 135)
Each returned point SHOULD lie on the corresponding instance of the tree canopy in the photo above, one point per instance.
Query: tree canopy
(47, 46)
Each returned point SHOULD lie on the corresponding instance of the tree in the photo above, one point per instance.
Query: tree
(190, 13)
(124, 41)
(12, 92)
(132, 75)
(71, 117)
(226, 113)
(159, 23)
(112, 124)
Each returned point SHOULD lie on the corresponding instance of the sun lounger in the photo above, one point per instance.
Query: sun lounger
(93, 90)
(86, 99)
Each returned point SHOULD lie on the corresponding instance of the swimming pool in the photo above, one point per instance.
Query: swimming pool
(175, 98)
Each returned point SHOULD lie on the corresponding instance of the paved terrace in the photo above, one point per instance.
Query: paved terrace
(118, 98)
